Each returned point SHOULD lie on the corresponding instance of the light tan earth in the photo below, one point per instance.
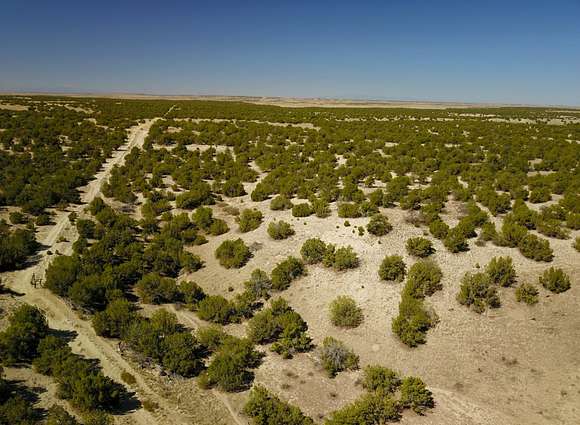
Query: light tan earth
(514, 365)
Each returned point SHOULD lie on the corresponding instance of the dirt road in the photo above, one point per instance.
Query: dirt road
(61, 316)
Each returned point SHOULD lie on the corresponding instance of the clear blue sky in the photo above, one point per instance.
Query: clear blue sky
(484, 51)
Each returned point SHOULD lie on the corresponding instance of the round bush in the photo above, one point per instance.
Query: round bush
(501, 271)
(527, 293)
(349, 210)
(555, 280)
(379, 225)
(285, 272)
(393, 268)
(280, 202)
(535, 248)
(313, 251)
(439, 229)
(280, 230)
(345, 313)
(249, 219)
(233, 253)
(419, 247)
(424, 279)
(477, 292)
(302, 210)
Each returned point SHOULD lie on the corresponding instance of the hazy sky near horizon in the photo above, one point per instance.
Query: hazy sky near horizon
(490, 51)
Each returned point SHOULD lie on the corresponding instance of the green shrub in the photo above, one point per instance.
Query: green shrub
(249, 219)
(415, 395)
(336, 357)
(379, 378)
(302, 210)
(233, 188)
(419, 247)
(127, 378)
(321, 208)
(576, 244)
(228, 369)
(285, 272)
(573, 221)
(282, 326)
(511, 234)
(439, 229)
(218, 227)
(19, 342)
(266, 409)
(552, 228)
(455, 241)
(393, 268)
(280, 202)
(216, 309)
(114, 321)
(412, 322)
(555, 280)
(154, 289)
(233, 253)
(259, 284)
(371, 408)
(313, 251)
(279, 230)
(540, 195)
(535, 248)
(349, 210)
(527, 293)
(476, 291)
(340, 259)
(379, 225)
(501, 271)
(424, 279)
(182, 354)
(345, 313)
(191, 293)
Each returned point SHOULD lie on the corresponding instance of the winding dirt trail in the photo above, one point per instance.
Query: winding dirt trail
(61, 316)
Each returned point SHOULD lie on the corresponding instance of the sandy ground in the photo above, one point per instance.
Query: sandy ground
(514, 365)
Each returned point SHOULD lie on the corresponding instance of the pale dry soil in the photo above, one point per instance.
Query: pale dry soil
(514, 365)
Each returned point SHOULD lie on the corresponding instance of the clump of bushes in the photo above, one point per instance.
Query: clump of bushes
(267, 409)
(424, 279)
(535, 248)
(229, 368)
(320, 207)
(342, 258)
(439, 229)
(313, 251)
(415, 395)
(379, 225)
(249, 219)
(379, 378)
(280, 202)
(216, 309)
(419, 247)
(413, 321)
(154, 289)
(282, 326)
(233, 253)
(203, 218)
(477, 292)
(527, 293)
(335, 357)
(371, 408)
(349, 210)
(345, 313)
(259, 285)
(455, 241)
(285, 272)
(302, 210)
(393, 268)
(555, 280)
(501, 271)
(279, 230)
